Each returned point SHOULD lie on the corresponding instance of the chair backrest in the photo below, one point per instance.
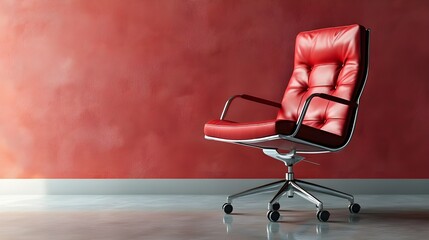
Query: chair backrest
(333, 61)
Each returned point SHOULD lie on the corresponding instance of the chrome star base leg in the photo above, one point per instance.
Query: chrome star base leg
(289, 187)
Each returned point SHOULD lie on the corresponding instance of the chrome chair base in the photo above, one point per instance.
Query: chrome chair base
(290, 187)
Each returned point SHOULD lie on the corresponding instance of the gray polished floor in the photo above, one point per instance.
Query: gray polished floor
(200, 217)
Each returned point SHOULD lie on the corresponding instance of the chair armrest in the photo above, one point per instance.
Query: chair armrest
(324, 96)
(250, 98)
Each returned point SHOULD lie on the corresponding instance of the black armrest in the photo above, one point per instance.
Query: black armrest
(324, 96)
(250, 98)
(333, 98)
(261, 100)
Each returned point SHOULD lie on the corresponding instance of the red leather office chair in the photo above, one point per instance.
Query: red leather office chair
(317, 114)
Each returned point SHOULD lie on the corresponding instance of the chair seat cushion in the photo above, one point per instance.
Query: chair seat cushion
(230, 130)
(240, 131)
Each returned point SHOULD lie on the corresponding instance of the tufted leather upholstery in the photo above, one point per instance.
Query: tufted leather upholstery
(329, 61)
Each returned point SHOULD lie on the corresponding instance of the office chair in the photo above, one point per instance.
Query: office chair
(316, 115)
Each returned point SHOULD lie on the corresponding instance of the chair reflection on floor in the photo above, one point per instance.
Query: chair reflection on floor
(277, 230)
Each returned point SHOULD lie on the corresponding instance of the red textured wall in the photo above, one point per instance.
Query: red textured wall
(122, 89)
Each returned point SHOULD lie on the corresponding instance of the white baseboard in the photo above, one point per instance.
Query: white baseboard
(196, 186)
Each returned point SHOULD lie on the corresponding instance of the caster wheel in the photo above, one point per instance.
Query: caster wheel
(323, 215)
(273, 216)
(276, 206)
(354, 208)
(227, 208)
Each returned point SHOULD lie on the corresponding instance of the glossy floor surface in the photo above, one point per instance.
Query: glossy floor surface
(200, 217)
